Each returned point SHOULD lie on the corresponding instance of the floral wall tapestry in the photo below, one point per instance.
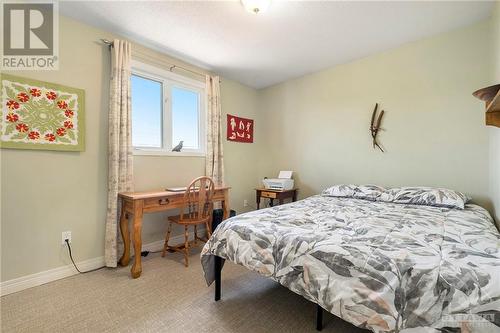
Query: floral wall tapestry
(41, 115)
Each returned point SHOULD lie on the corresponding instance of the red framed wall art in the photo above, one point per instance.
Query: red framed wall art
(239, 129)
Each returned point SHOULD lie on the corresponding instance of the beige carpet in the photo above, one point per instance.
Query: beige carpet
(167, 298)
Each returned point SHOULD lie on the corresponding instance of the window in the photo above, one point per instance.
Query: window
(166, 109)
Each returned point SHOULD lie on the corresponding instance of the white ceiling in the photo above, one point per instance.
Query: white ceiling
(291, 39)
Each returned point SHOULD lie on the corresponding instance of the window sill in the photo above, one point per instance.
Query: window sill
(140, 152)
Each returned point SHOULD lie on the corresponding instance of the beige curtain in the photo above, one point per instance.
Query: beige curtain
(120, 143)
(214, 161)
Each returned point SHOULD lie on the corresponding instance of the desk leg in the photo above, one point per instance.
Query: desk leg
(124, 260)
(294, 198)
(257, 200)
(137, 267)
(225, 205)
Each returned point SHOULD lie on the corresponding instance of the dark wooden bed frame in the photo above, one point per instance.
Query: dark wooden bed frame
(218, 273)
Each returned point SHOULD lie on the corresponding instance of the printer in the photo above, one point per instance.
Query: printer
(284, 182)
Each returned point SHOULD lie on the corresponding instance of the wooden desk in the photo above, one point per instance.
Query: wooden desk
(275, 194)
(138, 203)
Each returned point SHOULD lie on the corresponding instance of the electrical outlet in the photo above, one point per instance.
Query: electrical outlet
(245, 203)
(66, 235)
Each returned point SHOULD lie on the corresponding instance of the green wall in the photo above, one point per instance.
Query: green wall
(433, 129)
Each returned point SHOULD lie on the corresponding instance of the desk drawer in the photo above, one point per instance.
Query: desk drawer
(162, 202)
(270, 195)
(219, 194)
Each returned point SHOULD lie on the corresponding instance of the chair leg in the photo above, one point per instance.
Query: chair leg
(195, 234)
(207, 226)
(167, 237)
(186, 246)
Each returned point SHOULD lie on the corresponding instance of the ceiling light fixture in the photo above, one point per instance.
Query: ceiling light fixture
(256, 6)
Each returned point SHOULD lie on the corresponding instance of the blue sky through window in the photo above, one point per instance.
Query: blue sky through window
(185, 117)
(146, 112)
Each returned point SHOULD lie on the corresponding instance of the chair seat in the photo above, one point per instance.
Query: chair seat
(197, 209)
(177, 219)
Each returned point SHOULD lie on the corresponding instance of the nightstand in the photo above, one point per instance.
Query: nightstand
(275, 195)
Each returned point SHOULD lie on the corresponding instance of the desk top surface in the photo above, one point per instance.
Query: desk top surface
(158, 193)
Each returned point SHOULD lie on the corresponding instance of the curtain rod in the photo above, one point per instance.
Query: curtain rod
(171, 67)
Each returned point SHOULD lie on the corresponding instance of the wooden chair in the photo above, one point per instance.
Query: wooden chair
(196, 209)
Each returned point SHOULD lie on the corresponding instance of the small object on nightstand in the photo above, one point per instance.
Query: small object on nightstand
(282, 183)
(275, 194)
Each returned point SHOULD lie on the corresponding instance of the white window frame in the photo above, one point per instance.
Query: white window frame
(169, 80)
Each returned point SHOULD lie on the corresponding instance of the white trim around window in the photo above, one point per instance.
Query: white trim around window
(168, 81)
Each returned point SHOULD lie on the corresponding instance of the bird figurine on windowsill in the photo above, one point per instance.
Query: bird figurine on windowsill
(178, 147)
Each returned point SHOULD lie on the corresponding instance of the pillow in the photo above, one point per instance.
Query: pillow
(369, 192)
(437, 197)
(366, 192)
(341, 190)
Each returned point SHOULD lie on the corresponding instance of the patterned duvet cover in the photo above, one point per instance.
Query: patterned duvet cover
(382, 266)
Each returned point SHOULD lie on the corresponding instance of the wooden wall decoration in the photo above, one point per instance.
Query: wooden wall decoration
(41, 115)
(375, 127)
(239, 129)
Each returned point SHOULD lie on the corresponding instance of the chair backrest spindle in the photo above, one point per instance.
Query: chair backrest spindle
(198, 199)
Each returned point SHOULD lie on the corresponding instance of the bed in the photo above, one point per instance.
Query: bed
(383, 264)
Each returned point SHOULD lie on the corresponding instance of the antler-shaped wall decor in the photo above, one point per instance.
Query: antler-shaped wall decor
(375, 126)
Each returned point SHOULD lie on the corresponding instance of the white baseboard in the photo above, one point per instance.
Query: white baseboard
(37, 279)
(158, 245)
